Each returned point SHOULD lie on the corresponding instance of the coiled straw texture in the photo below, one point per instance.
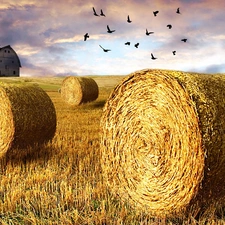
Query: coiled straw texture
(163, 141)
(27, 117)
(78, 90)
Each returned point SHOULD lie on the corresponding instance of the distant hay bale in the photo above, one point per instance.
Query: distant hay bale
(27, 116)
(78, 90)
(163, 141)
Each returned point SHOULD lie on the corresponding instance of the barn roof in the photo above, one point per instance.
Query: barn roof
(8, 46)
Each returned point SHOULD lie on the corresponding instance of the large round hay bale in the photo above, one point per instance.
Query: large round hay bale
(78, 90)
(27, 116)
(163, 141)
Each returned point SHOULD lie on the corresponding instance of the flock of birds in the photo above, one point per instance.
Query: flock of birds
(86, 36)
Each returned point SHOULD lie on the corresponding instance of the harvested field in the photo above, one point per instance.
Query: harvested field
(61, 182)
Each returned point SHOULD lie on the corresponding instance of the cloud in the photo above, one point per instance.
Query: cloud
(215, 68)
(30, 69)
(48, 35)
(65, 74)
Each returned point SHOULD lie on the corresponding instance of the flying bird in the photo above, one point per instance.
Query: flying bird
(155, 13)
(153, 57)
(127, 43)
(178, 11)
(169, 26)
(184, 39)
(174, 52)
(147, 33)
(105, 50)
(110, 31)
(128, 19)
(136, 45)
(95, 12)
(102, 14)
(86, 36)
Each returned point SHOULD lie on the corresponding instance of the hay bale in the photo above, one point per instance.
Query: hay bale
(78, 90)
(163, 141)
(27, 117)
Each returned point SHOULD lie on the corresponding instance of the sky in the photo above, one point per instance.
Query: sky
(48, 36)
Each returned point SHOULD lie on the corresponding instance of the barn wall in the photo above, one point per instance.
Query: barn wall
(9, 64)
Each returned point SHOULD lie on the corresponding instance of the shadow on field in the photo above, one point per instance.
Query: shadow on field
(99, 104)
(93, 105)
(40, 154)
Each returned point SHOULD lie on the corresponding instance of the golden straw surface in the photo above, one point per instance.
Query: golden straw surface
(78, 90)
(6, 122)
(28, 116)
(163, 142)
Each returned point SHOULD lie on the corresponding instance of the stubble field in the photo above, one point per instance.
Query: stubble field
(61, 182)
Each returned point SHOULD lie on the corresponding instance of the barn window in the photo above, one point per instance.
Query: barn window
(14, 72)
(8, 51)
(5, 50)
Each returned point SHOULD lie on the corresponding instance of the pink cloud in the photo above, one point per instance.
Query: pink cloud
(34, 27)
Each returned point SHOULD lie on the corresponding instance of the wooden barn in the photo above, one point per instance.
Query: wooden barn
(9, 62)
